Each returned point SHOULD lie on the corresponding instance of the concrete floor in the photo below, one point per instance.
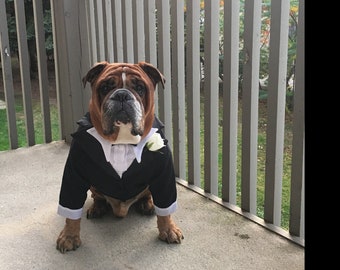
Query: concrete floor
(215, 238)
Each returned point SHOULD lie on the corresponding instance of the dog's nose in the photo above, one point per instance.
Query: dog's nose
(121, 95)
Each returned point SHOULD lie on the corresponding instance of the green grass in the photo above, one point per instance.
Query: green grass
(21, 128)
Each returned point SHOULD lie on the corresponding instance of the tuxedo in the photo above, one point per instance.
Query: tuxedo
(87, 166)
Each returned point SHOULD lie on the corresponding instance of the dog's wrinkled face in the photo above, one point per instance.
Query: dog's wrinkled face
(122, 102)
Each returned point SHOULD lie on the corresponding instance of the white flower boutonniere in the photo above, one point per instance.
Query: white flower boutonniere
(155, 142)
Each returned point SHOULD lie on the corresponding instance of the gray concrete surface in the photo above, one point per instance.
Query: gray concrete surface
(215, 238)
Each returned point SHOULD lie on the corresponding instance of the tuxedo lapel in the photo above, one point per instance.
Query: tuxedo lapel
(94, 151)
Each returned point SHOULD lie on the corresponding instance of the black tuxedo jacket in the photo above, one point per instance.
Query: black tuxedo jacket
(86, 166)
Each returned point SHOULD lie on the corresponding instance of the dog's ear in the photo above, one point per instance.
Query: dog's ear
(93, 73)
(153, 73)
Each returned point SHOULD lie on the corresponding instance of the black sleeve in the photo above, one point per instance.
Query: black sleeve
(163, 188)
(74, 187)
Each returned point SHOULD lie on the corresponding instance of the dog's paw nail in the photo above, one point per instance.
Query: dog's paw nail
(178, 241)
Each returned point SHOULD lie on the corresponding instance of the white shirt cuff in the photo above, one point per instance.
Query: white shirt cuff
(166, 211)
(69, 213)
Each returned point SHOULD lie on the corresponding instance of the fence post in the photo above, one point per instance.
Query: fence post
(71, 52)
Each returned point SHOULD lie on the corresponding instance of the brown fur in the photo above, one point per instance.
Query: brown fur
(119, 208)
(69, 238)
(168, 230)
(102, 70)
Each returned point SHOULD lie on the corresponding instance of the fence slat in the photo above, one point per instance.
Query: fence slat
(164, 64)
(92, 31)
(276, 110)
(150, 38)
(193, 89)
(99, 15)
(25, 70)
(7, 78)
(150, 33)
(128, 31)
(118, 30)
(178, 87)
(42, 69)
(297, 220)
(230, 99)
(138, 30)
(250, 95)
(211, 91)
(109, 31)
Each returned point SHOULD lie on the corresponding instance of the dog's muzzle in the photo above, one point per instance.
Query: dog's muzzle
(121, 108)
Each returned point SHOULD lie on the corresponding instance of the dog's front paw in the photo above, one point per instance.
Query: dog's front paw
(69, 237)
(68, 242)
(168, 230)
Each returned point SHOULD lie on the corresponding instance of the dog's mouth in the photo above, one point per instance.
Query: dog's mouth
(122, 111)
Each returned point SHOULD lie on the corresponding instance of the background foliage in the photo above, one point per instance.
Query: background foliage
(264, 46)
(29, 13)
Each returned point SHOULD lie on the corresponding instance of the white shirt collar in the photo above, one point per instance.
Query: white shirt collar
(106, 145)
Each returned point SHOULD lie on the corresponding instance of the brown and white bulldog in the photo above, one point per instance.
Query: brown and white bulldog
(119, 152)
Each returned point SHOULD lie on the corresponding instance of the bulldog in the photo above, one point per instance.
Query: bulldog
(119, 153)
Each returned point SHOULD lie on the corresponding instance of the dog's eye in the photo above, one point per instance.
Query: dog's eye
(106, 87)
(140, 89)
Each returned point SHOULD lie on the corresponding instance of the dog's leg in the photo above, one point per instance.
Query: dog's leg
(145, 205)
(69, 237)
(99, 206)
(168, 230)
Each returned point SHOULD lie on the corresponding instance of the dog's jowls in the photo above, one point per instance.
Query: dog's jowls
(119, 153)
